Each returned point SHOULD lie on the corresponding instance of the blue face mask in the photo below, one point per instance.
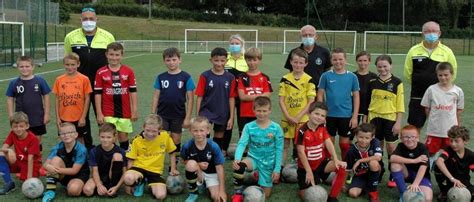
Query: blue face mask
(307, 41)
(234, 48)
(431, 37)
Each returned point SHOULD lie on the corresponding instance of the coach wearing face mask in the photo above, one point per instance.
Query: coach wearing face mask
(420, 69)
(90, 43)
(318, 57)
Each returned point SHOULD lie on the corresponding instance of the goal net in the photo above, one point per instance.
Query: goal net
(204, 40)
(327, 38)
(390, 42)
(12, 42)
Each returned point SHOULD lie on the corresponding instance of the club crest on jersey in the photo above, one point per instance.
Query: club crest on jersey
(116, 77)
(270, 135)
(318, 61)
(162, 146)
(124, 77)
(209, 156)
(390, 87)
(180, 84)
(36, 87)
(226, 84)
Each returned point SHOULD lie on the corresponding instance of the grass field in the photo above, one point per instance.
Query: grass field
(147, 66)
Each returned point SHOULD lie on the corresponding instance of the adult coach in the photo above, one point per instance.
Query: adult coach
(319, 59)
(90, 43)
(420, 69)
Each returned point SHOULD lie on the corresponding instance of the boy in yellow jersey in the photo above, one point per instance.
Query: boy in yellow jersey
(146, 157)
(297, 91)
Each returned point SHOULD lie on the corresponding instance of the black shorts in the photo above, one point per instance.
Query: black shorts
(416, 113)
(244, 120)
(338, 126)
(152, 178)
(318, 174)
(383, 129)
(219, 127)
(360, 181)
(173, 125)
(83, 175)
(81, 131)
(38, 130)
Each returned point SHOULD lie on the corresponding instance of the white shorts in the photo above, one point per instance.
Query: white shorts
(211, 179)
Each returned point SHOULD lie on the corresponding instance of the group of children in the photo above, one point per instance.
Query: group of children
(362, 105)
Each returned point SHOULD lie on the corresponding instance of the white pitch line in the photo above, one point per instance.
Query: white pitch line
(56, 70)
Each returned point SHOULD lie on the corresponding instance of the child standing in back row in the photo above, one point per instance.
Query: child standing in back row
(365, 76)
(29, 93)
(296, 92)
(116, 94)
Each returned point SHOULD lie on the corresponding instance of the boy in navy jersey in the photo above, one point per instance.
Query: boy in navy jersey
(173, 97)
(364, 158)
(107, 162)
(204, 162)
(215, 95)
(454, 165)
(115, 91)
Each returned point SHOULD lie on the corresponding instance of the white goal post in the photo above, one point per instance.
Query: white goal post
(346, 39)
(22, 30)
(390, 42)
(211, 40)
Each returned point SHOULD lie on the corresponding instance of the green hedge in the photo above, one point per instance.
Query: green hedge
(135, 10)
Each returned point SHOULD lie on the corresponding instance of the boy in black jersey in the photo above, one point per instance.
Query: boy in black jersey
(204, 162)
(409, 163)
(364, 158)
(107, 162)
(454, 165)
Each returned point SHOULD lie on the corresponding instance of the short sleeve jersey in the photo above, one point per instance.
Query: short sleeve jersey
(419, 150)
(319, 61)
(28, 96)
(24, 147)
(173, 89)
(296, 93)
(211, 154)
(102, 159)
(313, 142)
(364, 95)
(354, 154)
(78, 155)
(457, 166)
(338, 89)
(265, 145)
(216, 90)
(443, 107)
(252, 85)
(386, 98)
(71, 91)
(115, 88)
(150, 154)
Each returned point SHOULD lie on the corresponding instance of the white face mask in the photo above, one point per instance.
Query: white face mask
(88, 26)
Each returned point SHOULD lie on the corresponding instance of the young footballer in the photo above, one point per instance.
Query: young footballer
(409, 163)
(107, 162)
(265, 140)
(116, 94)
(204, 162)
(364, 76)
(315, 150)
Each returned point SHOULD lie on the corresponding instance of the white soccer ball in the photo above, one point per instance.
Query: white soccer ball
(250, 177)
(289, 173)
(254, 194)
(32, 188)
(412, 196)
(315, 194)
(175, 184)
(457, 194)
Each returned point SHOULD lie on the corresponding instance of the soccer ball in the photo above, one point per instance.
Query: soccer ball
(289, 173)
(231, 150)
(32, 188)
(254, 194)
(315, 194)
(414, 196)
(250, 178)
(457, 194)
(330, 178)
(175, 184)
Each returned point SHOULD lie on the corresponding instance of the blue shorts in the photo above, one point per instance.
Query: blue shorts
(424, 182)
(264, 173)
